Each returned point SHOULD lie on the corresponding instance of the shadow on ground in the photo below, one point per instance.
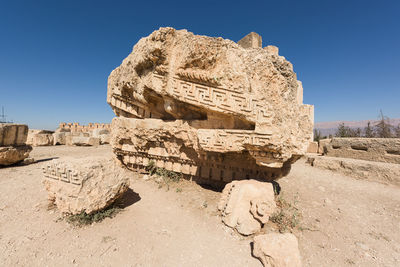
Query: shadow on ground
(127, 199)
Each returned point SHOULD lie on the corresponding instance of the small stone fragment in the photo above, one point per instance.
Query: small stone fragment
(277, 250)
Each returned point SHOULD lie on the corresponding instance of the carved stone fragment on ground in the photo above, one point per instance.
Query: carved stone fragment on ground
(76, 185)
(246, 205)
(277, 250)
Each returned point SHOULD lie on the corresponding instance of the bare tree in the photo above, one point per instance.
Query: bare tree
(397, 131)
(383, 128)
(369, 131)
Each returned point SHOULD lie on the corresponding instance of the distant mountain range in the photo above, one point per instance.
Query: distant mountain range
(330, 127)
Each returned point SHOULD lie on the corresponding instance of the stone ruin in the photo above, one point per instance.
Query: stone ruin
(208, 108)
(372, 149)
(13, 147)
(93, 134)
(376, 159)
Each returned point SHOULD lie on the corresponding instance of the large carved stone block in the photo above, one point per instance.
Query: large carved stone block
(12, 143)
(242, 108)
(13, 134)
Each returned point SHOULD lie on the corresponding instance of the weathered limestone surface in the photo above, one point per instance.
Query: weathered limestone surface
(89, 185)
(12, 143)
(277, 250)
(372, 149)
(13, 154)
(246, 205)
(40, 137)
(13, 134)
(362, 169)
(252, 40)
(60, 137)
(312, 147)
(72, 140)
(75, 127)
(237, 105)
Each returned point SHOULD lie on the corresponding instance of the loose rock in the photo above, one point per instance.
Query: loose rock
(277, 250)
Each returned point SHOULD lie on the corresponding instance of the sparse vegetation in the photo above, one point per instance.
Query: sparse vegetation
(166, 175)
(83, 218)
(382, 129)
(287, 217)
(317, 135)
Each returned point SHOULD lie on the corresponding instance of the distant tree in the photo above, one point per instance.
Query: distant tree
(397, 131)
(369, 131)
(317, 135)
(343, 131)
(383, 128)
(356, 132)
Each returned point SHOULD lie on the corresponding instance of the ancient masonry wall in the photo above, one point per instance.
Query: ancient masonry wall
(372, 149)
(75, 127)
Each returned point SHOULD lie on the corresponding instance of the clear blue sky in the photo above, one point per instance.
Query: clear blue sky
(55, 56)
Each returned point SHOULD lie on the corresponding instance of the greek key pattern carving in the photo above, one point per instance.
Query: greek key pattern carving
(63, 174)
(230, 140)
(217, 98)
(127, 105)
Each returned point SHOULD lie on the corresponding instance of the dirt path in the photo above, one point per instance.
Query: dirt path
(347, 222)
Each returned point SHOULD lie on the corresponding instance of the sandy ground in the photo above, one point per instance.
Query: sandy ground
(345, 222)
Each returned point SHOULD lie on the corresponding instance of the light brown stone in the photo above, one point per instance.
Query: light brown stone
(277, 250)
(13, 134)
(372, 149)
(251, 40)
(242, 105)
(246, 205)
(361, 169)
(40, 137)
(80, 140)
(14, 154)
(312, 147)
(76, 185)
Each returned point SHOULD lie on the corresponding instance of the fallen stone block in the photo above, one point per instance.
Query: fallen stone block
(13, 134)
(277, 250)
(60, 138)
(99, 132)
(246, 205)
(105, 139)
(82, 141)
(13, 154)
(40, 138)
(89, 185)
